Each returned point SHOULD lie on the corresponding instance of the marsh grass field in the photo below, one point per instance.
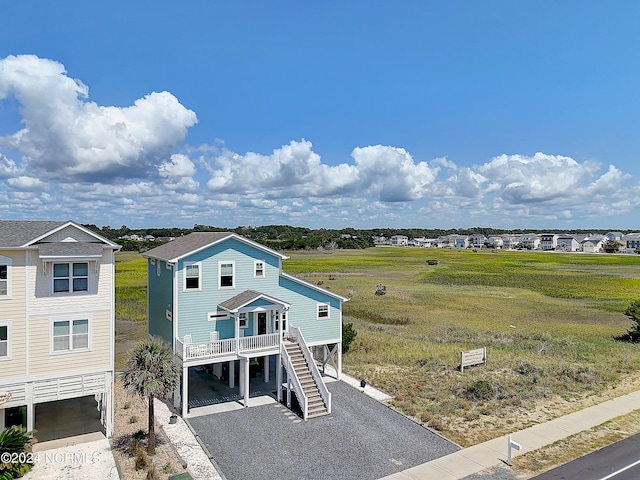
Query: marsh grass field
(549, 322)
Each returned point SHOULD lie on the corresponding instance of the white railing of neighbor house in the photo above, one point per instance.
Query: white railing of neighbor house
(228, 346)
(295, 382)
(313, 368)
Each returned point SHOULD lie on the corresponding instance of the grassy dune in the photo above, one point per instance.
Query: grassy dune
(548, 320)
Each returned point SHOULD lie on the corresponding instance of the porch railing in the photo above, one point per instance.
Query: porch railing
(313, 368)
(225, 347)
(294, 382)
(259, 342)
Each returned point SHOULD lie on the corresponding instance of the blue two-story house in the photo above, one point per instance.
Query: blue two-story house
(224, 301)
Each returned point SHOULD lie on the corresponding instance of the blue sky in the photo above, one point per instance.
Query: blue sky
(364, 114)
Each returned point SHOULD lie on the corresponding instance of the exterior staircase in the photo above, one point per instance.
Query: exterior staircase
(317, 407)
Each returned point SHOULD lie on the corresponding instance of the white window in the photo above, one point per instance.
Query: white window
(70, 277)
(282, 315)
(258, 270)
(192, 278)
(323, 310)
(69, 335)
(226, 276)
(243, 320)
(5, 340)
(5, 277)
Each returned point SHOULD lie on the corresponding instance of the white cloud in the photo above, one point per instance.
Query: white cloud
(27, 183)
(67, 137)
(391, 174)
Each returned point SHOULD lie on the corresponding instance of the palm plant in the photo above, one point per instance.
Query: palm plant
(151, 372)
(15, 440)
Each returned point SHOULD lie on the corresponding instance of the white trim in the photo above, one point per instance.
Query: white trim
(7, 262)
(7, 323)
(50, 376)
(255, 269)
(158, 268)
(233, 274)
(79, 227)
(70, 319)
(185, 265)
(245, 320)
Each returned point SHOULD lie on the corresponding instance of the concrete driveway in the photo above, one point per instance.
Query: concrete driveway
(362, 439)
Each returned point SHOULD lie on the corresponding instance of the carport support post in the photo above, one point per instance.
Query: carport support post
(30, 410)
(232, 373)
(246, 382)
(279, 376)
(266, 369)
(185, 391)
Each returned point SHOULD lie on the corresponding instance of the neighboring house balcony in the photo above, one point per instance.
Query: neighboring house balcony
(227, 349)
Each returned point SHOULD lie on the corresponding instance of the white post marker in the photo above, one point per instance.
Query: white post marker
(511, 444)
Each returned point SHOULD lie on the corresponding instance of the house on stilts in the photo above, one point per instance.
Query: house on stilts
(225, 304)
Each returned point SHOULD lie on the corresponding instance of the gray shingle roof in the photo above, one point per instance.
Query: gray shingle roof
(245, 298)
(16, 233)
(184, 245)
(70, 249)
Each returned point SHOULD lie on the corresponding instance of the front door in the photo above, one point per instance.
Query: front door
(262, 323)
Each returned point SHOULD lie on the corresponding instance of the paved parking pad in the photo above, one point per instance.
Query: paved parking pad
(362, 439)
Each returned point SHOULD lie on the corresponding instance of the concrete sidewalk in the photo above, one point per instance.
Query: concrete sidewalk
(489, 454)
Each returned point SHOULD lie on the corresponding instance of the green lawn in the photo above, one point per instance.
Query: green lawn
(548, 320)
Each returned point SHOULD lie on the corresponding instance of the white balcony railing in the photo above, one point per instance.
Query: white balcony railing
(226, 347)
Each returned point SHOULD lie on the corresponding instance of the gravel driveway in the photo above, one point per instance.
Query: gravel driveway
(362, 439)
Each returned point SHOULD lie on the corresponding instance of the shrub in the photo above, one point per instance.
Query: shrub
(633, 312)
(381, 289)
(348, 335)
(15, 440)
(133, 419)
(481, 390)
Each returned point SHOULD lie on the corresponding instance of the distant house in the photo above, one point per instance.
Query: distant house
(399, 241)
(567, 243)
(56, 319)
(548, 241)
(594, 244)
(510, 241)
(458, 241)
(222, 300)
(615, 236)
(530, 241)
(630, 242)
(477, 240)
(495, 241)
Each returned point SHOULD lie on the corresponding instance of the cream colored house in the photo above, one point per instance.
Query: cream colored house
(56, 318)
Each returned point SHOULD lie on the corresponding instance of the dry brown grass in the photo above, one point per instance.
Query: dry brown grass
(127, 434)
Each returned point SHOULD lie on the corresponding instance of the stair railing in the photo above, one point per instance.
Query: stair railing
(292, 377)
(325, 394)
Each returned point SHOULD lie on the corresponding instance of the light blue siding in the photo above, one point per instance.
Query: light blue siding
(160, 300)
(193, 306)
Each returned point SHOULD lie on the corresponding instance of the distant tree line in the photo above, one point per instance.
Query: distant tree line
(286, 237)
